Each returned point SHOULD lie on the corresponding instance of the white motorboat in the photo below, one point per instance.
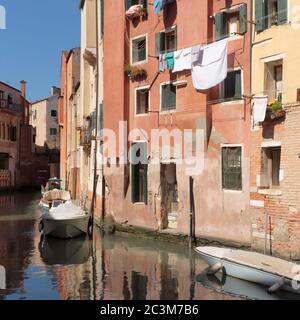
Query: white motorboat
(65, 221)
(269, 271)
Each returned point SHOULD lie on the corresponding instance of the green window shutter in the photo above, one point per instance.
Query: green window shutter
(168, 97)
(282, 11)
(101, 120)
(134, 188)
(102, 16)
(175, 40)
(142, 52)
(238, 85)
(128, 4)
(221, 25)
(159, 43)
(231, 168)
(243, 18)
(144, 3)
(260, 15)
(145, 183)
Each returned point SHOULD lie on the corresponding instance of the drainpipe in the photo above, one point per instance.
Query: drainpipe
(251, 44)
(97, 114)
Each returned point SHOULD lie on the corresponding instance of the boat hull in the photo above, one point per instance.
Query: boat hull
(66, 229)
(247, 273)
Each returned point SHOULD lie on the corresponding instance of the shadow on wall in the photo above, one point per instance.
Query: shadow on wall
(170, 14)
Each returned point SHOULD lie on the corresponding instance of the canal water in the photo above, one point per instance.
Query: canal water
(112, 267)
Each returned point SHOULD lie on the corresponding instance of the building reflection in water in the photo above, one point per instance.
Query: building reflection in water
(111, 267)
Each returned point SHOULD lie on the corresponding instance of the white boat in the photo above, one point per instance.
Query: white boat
(275, 273)
(65, 221)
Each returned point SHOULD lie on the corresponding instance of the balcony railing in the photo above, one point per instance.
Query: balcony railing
(10, 106)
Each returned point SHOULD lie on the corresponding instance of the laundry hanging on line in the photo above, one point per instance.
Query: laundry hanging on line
(166, 61)
(182, 60)
(259, 108)
(209, 64)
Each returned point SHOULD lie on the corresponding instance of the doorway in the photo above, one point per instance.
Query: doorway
(169, 195)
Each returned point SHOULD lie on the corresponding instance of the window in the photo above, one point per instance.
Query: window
(232, 168)
(168, 97)
(53, 113)
(53, 131)
(269, 13)
(166, 41)
(271, 167)
(231, 22)
(130, 3)
(13, 133)
(9, 100)
(139, 172)
(1, 94)
(142, 101)
(273, 80)
(139, 50)
(232, 86)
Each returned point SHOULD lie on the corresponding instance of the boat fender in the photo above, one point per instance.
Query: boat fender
(215, 268)
(276, 286)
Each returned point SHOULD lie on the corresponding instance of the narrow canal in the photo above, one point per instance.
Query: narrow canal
(113, 267)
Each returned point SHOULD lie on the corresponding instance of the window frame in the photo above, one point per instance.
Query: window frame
(242, 169)
(135, 101)
(165, 31)
(131, 49)
(160, 100)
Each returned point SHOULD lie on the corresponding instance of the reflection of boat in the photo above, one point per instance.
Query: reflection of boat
(234, 286)
(64, 252)
(251, 266)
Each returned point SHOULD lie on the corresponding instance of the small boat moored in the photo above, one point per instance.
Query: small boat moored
(275, 273)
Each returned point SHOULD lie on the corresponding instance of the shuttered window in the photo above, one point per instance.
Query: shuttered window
(232, 168)
(268, 13)
(142, 101)
(233, 86)
(243, 18)
(282, 6)
(168, 97)
(231, 23)
(221, 25)
(166, 41)
(139, 173)
(13, 133)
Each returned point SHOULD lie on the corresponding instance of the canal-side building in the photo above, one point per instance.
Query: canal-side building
(90, 105)
(44, 120)
(275, 139)
(149, 89)
(11, 118)
(69, 108)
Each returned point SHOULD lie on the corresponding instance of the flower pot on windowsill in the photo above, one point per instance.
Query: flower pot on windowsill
(135, 73)
(275, 111)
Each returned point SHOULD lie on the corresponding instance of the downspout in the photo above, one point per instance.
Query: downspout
(251, 45)
(97, 114)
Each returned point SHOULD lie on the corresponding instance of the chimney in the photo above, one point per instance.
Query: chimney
(55, 91)
(23, 88)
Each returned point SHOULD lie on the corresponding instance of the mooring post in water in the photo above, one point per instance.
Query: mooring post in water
(192, 213)
(266, 231)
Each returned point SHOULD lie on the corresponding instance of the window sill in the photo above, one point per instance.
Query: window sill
(270, 192)
(167, 111)
(138, 115)
(139, 204)
(134, 64)
(233, 101)
(232, 191)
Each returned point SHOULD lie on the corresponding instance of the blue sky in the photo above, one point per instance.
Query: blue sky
(30, 48)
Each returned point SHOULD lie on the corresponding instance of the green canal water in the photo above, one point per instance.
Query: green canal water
(111, 267)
